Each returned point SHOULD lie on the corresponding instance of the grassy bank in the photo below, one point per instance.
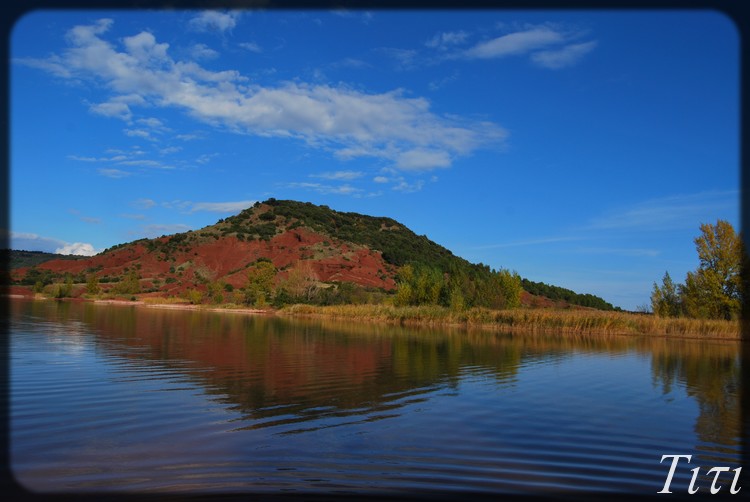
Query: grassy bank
(581, 322)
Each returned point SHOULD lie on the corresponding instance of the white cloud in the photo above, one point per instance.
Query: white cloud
(350, 63)
(515, 43)
(137, 133)
(380, 179)
(345, 189)
(83, 159)
(442, 40)
(145, 163)
(442, 82)
(143, 203)
(347, 122)
(33, 242)
(114, 173)
(404, 186)
(340, 175)
(78, 249)
(561, 58)
(152, 122)
(419, 160)
(206, 158)
(202, 51)
(187, 137)
(548, 47)
(222, 207)
(112, 109)
(251, 46)
(179, 205)
(213, 20)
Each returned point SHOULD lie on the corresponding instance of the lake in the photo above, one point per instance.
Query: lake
(111, 398)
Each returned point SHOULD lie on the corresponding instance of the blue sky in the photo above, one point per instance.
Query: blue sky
(579, 148)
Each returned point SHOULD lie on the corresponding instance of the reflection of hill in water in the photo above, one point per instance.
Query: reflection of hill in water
(278, 370)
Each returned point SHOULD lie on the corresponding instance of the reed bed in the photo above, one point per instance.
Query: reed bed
(568, 322)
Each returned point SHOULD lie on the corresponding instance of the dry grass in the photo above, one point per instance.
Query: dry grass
(156, 300)
(569, 322)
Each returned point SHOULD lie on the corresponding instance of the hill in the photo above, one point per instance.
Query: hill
(21, 258)
(341, 256)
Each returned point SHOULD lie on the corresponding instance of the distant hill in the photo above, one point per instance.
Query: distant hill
(20, 259)
(336, 248)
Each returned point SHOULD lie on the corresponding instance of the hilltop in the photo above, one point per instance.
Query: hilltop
(335, 253)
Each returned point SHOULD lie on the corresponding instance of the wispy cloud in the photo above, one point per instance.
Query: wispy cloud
(27, 241)
(547, 46)
(187, 206)
(350, 63)
(137, 133)
(678, 211)
(405, 58)
(561, 58)
(143, 204)
(520, 42)
(339, 175)
(112, 109)
(389, 126)
(34, 242)
(447, 39)
(633, 252)
(214, 20)
(530, 242)
(126, 159)
(202, 51)
(251, 46)
(133, 216)
(406, 187)
(222, 207)
(344, 189)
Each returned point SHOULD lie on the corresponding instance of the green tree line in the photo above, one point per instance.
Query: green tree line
(459, 288)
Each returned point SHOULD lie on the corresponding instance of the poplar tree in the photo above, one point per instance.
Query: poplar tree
(665, 300)
(714, 290)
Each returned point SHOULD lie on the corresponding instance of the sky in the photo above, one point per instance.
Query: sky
(582, 149)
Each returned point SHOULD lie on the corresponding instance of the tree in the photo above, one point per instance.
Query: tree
(129, 285)
(260, 280)
(301, 282)
(92, 285)
(665, 300)
(714, 290)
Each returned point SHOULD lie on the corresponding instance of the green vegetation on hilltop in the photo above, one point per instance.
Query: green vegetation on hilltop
(20, 259)
(398, 244)
(566, 295)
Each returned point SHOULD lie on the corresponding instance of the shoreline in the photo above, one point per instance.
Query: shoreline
(560, 322)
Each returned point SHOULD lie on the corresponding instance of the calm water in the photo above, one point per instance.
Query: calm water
(120, 398)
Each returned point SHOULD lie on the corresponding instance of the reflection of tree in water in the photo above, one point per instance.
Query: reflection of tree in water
(274, 369)
(710, 372)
